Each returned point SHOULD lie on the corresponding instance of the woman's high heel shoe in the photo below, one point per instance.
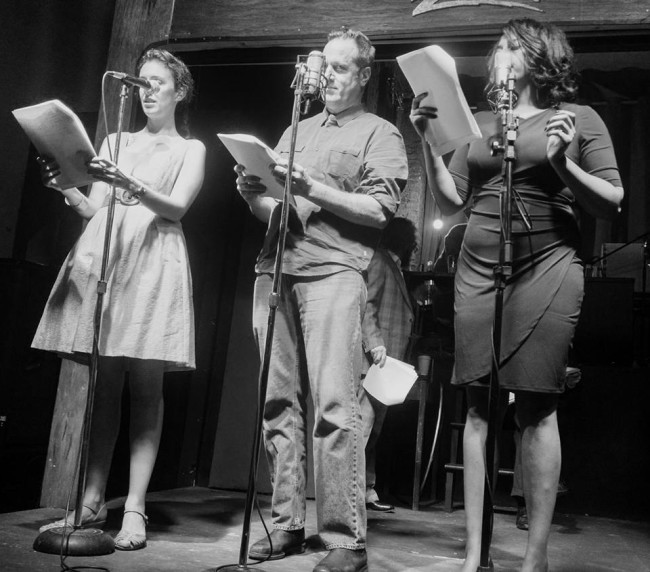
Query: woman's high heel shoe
(96, 519)
(127, 540)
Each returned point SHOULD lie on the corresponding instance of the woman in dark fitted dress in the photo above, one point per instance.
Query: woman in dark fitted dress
(564, 161)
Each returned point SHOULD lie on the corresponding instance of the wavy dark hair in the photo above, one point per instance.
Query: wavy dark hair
(183, 81)
(549, 59)
(401, 237)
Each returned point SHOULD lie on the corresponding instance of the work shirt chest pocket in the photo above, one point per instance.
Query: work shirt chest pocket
(343, 162)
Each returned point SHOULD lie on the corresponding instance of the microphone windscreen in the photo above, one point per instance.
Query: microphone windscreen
(314, 78)
(502, 65)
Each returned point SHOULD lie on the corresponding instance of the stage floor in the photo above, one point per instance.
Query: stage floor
(199, 529)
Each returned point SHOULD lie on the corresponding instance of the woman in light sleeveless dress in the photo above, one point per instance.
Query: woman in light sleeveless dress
(147, 325)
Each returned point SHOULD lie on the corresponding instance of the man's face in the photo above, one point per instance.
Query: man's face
(345, 79)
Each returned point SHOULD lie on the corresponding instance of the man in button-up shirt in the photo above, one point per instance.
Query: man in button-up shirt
(349, 170)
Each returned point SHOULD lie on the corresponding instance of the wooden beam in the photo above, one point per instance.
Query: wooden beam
(59, 481)
(137, 24)
(247, 23)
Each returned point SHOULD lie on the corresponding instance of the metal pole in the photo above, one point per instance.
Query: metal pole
(502, 271)
(76, 541)
(274, 299)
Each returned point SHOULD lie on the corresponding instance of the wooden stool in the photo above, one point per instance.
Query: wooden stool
(455, 465)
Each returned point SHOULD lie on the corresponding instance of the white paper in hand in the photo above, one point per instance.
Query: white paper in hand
(390, 384)
(433, 70)
(56, 131)
(257, 157)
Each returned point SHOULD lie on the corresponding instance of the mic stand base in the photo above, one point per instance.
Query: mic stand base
(238, 568)
(71, 541)
(488, 568)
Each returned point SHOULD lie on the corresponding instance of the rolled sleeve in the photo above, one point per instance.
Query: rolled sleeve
(385, 168)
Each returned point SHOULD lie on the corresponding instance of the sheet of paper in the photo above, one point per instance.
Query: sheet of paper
(257, 157)
(56, 131)
(433, 70)
(390, 384)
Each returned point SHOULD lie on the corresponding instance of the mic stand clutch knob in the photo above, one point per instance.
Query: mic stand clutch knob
(496, 148)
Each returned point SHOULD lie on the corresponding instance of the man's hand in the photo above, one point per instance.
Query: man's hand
(378, 355)
(248, 186)
(301, 182)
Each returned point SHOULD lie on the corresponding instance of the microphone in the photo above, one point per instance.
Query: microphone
(134, 81)
(314, 80)
(499, 95)
(502, 66)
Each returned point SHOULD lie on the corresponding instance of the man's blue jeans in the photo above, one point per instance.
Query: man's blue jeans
(316, 348)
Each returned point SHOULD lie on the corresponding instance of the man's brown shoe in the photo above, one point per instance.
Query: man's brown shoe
(285, 543)
(343, 560)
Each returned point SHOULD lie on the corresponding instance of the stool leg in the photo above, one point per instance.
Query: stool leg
(422, 397)
(450, 481)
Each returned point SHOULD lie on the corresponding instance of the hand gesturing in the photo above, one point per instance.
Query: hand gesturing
(560, 131)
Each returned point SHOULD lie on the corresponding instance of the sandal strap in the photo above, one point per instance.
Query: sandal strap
(91, 509)
(144, 516)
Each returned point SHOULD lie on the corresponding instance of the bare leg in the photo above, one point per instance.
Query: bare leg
(474, 437)
(105, 423)
(104, 430)
(146, 390)
(541, 462)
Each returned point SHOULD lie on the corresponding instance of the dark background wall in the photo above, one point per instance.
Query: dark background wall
(54, 49)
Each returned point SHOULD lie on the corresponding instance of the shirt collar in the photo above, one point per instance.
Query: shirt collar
(395, 257)
(346, 115)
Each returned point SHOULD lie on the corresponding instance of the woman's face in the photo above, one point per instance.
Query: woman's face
(509, 53)
(160, 101)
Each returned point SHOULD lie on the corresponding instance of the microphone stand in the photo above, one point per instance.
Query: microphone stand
(274, 299)
(502, 271)
(642, 305)
(605, 256)
(75, 540)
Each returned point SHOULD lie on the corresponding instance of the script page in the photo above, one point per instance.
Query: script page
(390, 384)
(57, 132)
(432, 70)
(257, 157)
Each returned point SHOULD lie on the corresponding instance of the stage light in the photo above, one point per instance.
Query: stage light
(437, 223)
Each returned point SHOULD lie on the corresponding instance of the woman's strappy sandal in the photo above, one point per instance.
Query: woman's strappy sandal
(96, 519)
(127, 540)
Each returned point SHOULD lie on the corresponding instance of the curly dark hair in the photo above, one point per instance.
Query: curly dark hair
(400, 236)
(548, 56)
(183, 81)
